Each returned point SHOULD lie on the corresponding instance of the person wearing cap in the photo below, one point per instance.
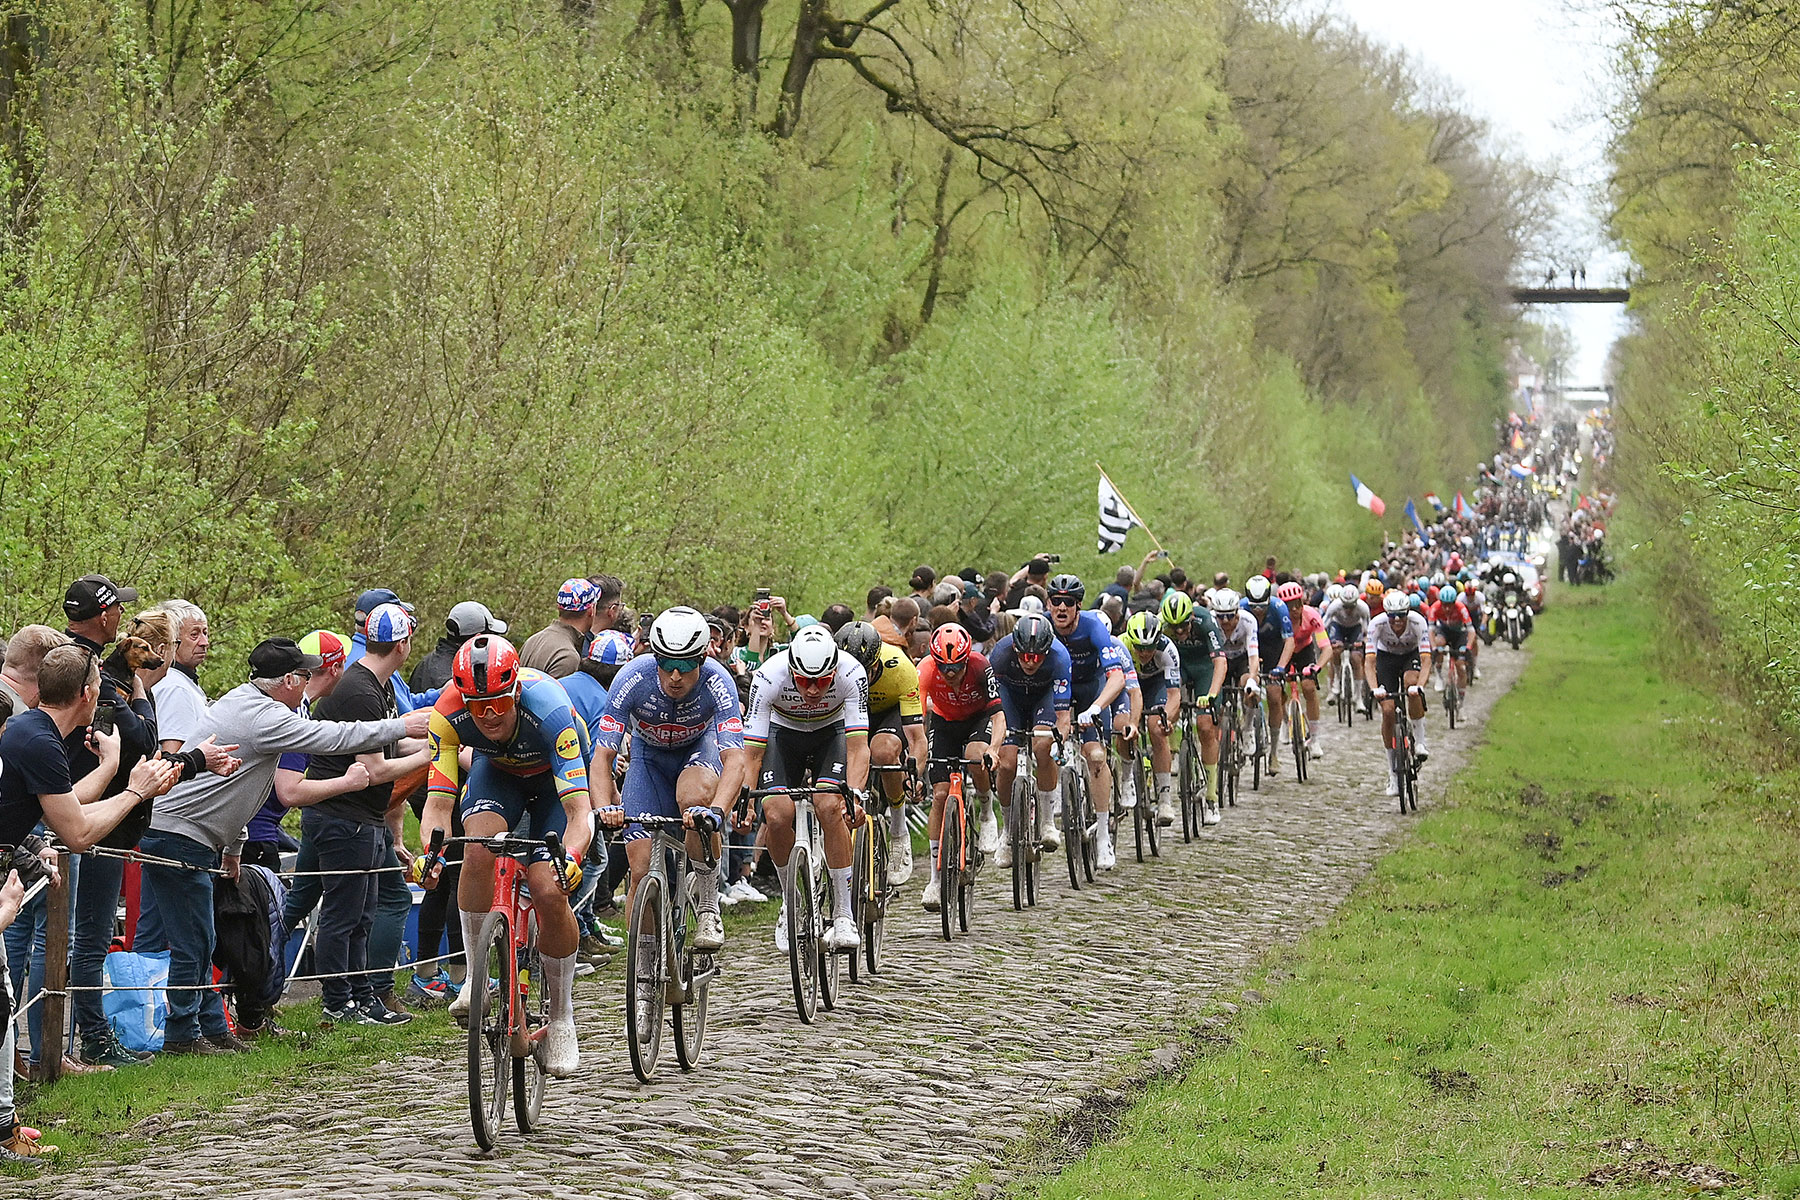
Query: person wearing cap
(1035, 573)
(556, 648)
(179, 698)
(406, 697)
(356, 831)
(466, 619)
(974, 611)
(205, 816)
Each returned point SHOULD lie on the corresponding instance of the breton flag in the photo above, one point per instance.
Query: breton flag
(1116, 517)
(1365, 497)
(1462, 506)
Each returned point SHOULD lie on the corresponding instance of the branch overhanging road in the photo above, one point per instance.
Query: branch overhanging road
(913, 1082)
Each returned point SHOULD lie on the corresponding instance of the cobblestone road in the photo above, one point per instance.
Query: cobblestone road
(911, 1084)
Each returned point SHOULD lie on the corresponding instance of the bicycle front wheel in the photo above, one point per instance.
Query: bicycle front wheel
(874, 904)
(529, 1076)
(490, 1041)
(1297, 735)
(861, 846)
(1073, 833)
(950, 864)
(803, 956)
(1259, 730)
(1185, 782)
(646, 961)
(825, 904)
(1018, 820)
(1137, 813)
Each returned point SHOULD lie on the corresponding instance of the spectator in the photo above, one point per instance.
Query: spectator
(974, 611)
(609, 607)
(877, 594)
(1149, 598)
(759, 630)
(921, 584)
(180, 700)
(1035, 573)
(935, 619)
(1113, 609)
(1121, 586)
(556, 648)
(202, 817)
(18, 1149)
(897, 626)
(36, 785)
(945, 593)
(836, 616)
(464, 622)
(358, 831)
(367, 603)
(19, 669)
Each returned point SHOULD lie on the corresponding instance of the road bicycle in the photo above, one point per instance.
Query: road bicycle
(1403, 756)
(508, 1017)
(1453, 693)
(1021, 833)
(808, 902)
(1141, 772)
(1348, 688)
(1190, 776)
(871, 844)
(1080, 825)
(959, 852)
(661, 964)
(1297, 726)
(1231, 742)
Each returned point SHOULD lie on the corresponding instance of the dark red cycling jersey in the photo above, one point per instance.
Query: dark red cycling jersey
(1454, 613)
(976, 694)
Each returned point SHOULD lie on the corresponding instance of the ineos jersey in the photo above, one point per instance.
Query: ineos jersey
(637, 704)
(1409, 638)
(776, 700)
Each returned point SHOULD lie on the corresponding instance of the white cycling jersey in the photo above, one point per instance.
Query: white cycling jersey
(776, 700)
(1242, 640)
(1354, 615)
(1383, 638)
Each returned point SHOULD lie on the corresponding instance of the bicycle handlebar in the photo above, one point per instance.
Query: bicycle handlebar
(842, 789)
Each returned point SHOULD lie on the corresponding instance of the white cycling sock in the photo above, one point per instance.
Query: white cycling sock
(1048, 803)
(1103, 829)
(785, 873)
(1165, 784)
(932, 862)
(897, 820)
(840, 891)
(471, 924)
(559, 987)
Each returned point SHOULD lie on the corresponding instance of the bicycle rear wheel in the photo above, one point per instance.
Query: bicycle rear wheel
(803, 951)
(490, 1048)
(1452, 694)
(689, 1019)
(1297, 736)
(646, 960)
(529, 1076)
(950, 863)
(825, 904)
(874, 903)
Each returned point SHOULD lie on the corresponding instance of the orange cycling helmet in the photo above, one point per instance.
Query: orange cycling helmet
(1372, 588)
(487, 665)
(950, 645)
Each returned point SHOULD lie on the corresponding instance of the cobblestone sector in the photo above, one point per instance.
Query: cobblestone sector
(913, 1082)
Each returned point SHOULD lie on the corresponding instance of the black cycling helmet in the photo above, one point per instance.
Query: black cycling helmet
(859, 640)
(1068, 585)
(1033, 634)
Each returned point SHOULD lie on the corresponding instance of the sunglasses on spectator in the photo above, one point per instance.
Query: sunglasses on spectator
(304, 674)
(682, 665)
(491, 706)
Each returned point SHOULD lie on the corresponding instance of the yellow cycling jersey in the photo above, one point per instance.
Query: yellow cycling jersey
(898, 683)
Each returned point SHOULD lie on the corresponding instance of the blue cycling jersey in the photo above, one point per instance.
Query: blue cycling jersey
(1275, 623)
(637, 700)
(1052, 675)
(1093, 651)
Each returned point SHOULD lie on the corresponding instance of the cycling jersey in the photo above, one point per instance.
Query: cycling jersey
(547, 739)
(1158, 662)
(1052, 675)
(776, 700)
(1383, 638)
(1093, 651)
(975, 694)
(1309, 627)
(896, 685)
(1196, 652)
(1274, 623)
(636, 703)
(1346, 621)
(1454, 613)
(1241, 641)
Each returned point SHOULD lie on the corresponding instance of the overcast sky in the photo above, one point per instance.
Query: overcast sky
(1537, 70)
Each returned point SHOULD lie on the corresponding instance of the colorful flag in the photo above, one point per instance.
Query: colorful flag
(1412, 514)
(1462, 506)
(1116, 517)
(1367, 498)
(1436, 504)
(1521, 471)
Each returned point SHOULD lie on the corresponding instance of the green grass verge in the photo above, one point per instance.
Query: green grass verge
(1583, 968)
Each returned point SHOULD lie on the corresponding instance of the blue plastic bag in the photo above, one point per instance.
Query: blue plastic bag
(138, 1017)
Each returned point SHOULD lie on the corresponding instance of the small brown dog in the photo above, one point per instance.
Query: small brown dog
(131, 654)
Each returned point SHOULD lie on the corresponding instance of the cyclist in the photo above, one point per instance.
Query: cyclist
(1031, 669)
(809, 714)
(963, 703)
(1346, 621)
(1275, 644)
(1401, 641)
(1243, 649)
(1452, 631)
(1309, 632)
(528, 758)
(896, 722)
(1200, 648)
(680, 706)
(1159, 677)
(1096, 677)
(1127, 714)
(1473, 601)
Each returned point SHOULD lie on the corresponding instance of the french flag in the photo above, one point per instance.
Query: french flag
(1365, 497)
(1518, 471)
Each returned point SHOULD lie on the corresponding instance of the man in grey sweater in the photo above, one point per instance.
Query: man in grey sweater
(207, 815)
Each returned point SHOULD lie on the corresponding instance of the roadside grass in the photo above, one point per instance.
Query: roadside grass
(1582, 969)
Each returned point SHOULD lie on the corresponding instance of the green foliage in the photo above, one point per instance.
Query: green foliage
(303, 296)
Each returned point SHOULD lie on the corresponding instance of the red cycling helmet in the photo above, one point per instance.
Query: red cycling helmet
(1431, 594)
(950, 645)
(1290, 593)
(487, 665)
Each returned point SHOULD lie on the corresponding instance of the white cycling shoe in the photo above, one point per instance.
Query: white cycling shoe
(1165, 811)
(900, 862)
(934, 892)
(646, 1020)
(843, 934)
(1003, 856)
(1128, 796)
(1049, 836)
(562, 1053)
(1210, 814)
(1108, 859)
(781, 938)
(709, 931)
(1393, 787)
(988, 839)
(459, 1007)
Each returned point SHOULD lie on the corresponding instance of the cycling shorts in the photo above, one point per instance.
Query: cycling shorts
(515, 797)
(1025, 712)
(886, 721)
(1236, 669)
(649, 788)
(794, 754)
(1346, 635)
(1455, 635)
(946, 737)
(1390, 670)
(1156, 692)
(1306, 656)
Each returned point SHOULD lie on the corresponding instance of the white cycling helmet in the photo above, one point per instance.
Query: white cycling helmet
(1395, 601)
(1224, 601)
(1257, 589)
(813, 653)
(680, 632)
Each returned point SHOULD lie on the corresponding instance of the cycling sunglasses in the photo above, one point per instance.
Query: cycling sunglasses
(492, 706)
(1030, 660)
(682, 665)
(816, 681)
(1064, 602)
